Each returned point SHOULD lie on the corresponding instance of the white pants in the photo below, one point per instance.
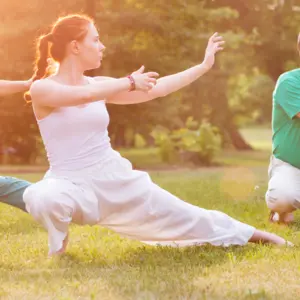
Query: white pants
(283, 193)
(127, 201)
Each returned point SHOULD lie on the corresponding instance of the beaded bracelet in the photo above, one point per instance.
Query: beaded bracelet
(132, 83)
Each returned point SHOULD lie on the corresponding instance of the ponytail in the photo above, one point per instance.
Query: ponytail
(41, 63)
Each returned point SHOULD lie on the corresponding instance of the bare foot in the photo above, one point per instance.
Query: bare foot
(285, 218)
(269, 238)
(63, 248)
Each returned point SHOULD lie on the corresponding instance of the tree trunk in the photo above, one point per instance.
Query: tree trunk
(237, 140)
(120, 137)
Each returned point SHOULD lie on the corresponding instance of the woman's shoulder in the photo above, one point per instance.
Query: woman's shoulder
(42, 86)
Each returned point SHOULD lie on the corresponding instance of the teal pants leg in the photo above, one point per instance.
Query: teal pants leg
(11, 191)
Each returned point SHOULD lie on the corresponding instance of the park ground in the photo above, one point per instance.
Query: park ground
(100, 264)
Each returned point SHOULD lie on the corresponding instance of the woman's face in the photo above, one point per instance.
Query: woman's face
(90, 49)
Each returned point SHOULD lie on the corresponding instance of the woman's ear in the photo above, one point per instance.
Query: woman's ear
(74, 46)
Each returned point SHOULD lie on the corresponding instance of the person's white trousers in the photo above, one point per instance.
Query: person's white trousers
(283, 194)
(115, 196)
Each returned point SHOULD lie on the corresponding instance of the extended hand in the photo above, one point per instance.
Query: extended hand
(144, 81)
(215, 44)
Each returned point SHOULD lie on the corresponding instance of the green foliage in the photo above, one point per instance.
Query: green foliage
(193, 143)
(167, 148)
(251, 97)
(166, 37)
(139, 141)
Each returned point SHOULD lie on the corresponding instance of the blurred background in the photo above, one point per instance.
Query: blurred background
(222, 117)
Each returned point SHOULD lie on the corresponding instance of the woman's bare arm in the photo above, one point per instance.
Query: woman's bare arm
(164, 86)
(49, 93)
(172, 83)
(8, 87)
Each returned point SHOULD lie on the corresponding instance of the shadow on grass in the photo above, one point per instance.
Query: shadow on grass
(153, 267)
(155, 256)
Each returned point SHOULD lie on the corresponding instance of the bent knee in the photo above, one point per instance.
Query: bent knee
(281, 201)
(48, 197)
(36, 192)
(40, 195)
(35, 197)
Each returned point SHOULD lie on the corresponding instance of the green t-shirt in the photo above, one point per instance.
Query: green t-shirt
(285, 124)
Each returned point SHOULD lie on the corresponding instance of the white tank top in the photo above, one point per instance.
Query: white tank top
(76, 137)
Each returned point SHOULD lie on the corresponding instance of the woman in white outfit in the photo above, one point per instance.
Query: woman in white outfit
(90, 183)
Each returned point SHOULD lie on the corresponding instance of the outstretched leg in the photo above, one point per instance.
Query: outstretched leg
(12, 190)
(150, 214)
(270, 238)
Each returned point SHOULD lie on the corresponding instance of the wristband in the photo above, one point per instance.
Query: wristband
(132, 83)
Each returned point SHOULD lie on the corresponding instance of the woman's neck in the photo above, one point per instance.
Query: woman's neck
(70, 73)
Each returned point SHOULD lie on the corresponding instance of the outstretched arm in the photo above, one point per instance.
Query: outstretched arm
(49, 93)
(172, 83)
(8, 87)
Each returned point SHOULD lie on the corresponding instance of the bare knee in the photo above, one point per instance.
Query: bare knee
(280, 200)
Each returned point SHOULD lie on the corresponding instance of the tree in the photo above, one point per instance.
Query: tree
(165, 36)
(260, 35)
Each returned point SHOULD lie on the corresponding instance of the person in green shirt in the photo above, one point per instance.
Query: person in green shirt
(283, 194)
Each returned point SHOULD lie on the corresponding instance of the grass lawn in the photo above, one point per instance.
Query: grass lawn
(258, 137)
(101, 265)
